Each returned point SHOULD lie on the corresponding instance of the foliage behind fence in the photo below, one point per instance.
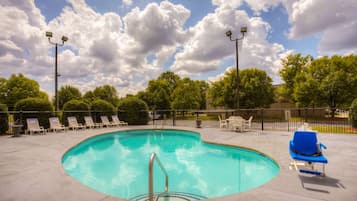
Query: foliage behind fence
(286, 119)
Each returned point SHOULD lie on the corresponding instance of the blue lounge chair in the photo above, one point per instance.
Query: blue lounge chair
(305, 149)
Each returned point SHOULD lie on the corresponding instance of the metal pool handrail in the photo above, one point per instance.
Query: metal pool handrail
(151, 167)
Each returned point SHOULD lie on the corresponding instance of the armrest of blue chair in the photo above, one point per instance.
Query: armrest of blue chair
(291, 145)
(323, 146)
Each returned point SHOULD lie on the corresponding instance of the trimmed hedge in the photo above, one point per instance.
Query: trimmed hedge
(34, 108)
(134, 111)
(353, 113)
(4, 119)
(75, 108)
(101, 107)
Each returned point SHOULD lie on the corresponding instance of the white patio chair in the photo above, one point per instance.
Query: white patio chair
(55, 125)
(73, 124)
(116, 120)
(106, 122)
(33, 126)
(222, 122)
(248, 124)
(90, 123)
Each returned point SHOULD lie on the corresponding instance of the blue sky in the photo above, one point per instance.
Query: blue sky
(126, 43)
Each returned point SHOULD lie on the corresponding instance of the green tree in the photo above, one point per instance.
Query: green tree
(3, 90)
(223, 93)
(293, 65)
(89, 97)
(203, 87)
(353, 113)
(143, 95)
(171, 80)
(327, 81)
(19, 87)
(256, 90)
(105, 92)
(43, 95)
(101, 107)
(186, 95)
(34, 108)
(4, 119)
(67, 93)
(157, 95)
(76, 108)
(133, 110)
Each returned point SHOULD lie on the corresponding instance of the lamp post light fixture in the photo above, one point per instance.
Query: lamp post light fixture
(64, 39)
(243, 30)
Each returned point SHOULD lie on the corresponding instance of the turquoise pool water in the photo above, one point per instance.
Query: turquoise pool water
(117, 164)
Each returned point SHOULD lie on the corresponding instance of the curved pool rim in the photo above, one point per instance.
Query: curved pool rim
(170, 129)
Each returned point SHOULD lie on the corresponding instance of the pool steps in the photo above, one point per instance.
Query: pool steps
(170, 196)
(164, 196)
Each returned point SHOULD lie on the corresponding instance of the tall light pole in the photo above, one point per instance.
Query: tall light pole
(243, 30)
(64, 39)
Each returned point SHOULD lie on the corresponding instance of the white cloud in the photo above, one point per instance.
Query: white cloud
(228, 3)
(335, 21)
(105, 48)
(22, 42)
(208, 45)
(127, 2)
(262, 5)
(33, 14)
(156, 26)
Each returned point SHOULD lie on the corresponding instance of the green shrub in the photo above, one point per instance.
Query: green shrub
(353, 113)
(34, 108)
(134, 111)
(4, 119)
(101, 107)
(76, 108)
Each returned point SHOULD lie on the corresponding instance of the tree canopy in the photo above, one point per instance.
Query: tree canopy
(105, 92)
(325, 81)
(256, 89)
(169, 90)
(19, 87)
(67, 93)
(187, 95)
(292, 65)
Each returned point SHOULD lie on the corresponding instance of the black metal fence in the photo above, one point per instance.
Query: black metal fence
(286, 119)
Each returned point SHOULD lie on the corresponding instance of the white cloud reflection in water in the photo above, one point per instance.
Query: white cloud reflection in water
(117, 164)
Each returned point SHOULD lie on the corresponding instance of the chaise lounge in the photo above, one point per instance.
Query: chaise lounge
(33, 126)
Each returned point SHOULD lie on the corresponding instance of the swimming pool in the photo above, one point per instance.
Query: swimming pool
(117, 164)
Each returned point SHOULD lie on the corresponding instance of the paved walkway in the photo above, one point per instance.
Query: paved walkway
(31, 169)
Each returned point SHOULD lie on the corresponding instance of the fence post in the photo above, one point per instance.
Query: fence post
(174, 118)
(262, 117)
(305, 114)
(21, 116)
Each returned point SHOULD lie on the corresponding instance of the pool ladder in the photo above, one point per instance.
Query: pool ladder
(154, 158)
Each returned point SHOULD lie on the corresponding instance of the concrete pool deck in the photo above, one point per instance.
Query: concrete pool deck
(31, 169)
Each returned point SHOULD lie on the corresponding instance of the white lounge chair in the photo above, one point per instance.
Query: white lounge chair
(73, 123)
(222, 122)
(55, 125)
(33, 126)
(106, 122)
(116, 120)
(90, 123)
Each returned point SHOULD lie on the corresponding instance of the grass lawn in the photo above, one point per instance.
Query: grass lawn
(335, 129)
